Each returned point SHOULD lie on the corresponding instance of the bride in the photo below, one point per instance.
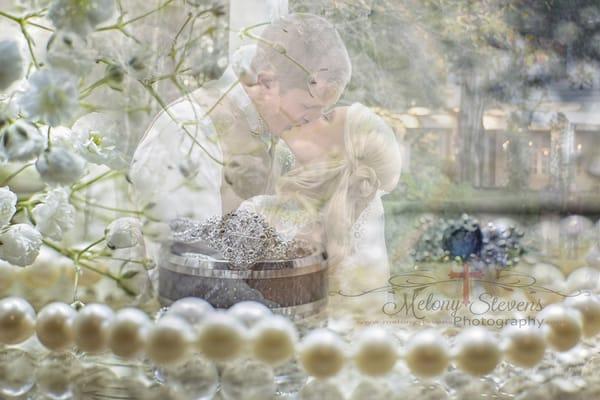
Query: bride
(340, 166)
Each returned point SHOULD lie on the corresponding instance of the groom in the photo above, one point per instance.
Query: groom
(216, 147)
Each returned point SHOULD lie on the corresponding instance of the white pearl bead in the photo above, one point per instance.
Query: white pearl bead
(477, 351)
(128, 332)
(376, 351)
(221, 337)
(249, 313)
(273, 340)
(169, 341)
(548, 276)
(92, 327)
(17, 320)
(192, 309)
(562, 326)
(54, 327)
(427, 354)
(322, 353)
(583, 279)
(589, 307)
(524, 346)
(319, 389)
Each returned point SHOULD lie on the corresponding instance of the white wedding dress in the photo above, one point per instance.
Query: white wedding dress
(359, 280)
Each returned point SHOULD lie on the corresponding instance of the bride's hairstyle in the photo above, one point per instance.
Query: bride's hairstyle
(341, 189)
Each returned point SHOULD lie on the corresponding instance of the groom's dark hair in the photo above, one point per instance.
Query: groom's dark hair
(299, 47)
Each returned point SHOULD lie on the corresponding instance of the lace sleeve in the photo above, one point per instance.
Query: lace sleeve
(368, 232)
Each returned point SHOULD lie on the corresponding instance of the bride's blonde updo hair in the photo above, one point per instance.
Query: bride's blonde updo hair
(339, 190)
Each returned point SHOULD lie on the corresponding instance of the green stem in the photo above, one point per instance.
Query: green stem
(88, 90)
(17, 172)
(40, 26)
(104, 175)
(79, 254)
(30, 43)
(48, 135)
(122, 24)
(103, 207)
(141, 262)
(77, 262)
(69, 253)
(11, 17)
(187, 132)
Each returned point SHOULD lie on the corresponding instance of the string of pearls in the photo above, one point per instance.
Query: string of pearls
(250, 329)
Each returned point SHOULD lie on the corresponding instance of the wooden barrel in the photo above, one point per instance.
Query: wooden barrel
(297, 288)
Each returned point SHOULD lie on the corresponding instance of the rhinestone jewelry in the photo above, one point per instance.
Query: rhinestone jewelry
(242, 237)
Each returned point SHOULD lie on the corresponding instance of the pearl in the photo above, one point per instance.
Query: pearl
(248, 379)
(322, 353)
(54, 327)
(548, 276)
(92, 327)
(589, 307)
(524, 347)
(198, 377)
(318, 389)
(221, 337)
(373, 389)
(273, 340)
(128, 330)
(477, 351)
(583, 279)
(562, 326)
(54, 375)
(249, 313)
(169, 341)
(16, 373)
(376, 352)
(17, 320)
(427, 354)
(192, 309)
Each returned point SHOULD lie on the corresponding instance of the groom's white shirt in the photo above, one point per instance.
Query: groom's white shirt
(171, 175)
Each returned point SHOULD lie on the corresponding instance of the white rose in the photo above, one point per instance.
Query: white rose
(99, 139)
(59, 165)
(8, 205)
(11, 63)
(123, 233)
(51, 96)
(21, 141)
(55, 215)
(20, 244)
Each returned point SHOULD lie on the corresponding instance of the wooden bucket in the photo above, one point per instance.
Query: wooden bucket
(297, 288)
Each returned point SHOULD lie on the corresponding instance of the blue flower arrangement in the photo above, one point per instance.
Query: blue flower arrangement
(463, 239)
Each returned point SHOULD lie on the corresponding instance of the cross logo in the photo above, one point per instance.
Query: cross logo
(466, 276)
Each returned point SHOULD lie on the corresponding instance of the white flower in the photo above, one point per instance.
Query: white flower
(52, 96)
(123, 233)
(11, 63)
(80, 16)
(55, 215)
(70, 52)
(59, 165)
(21, 141)
(20, 244)
(101, 139)
(8, 205)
